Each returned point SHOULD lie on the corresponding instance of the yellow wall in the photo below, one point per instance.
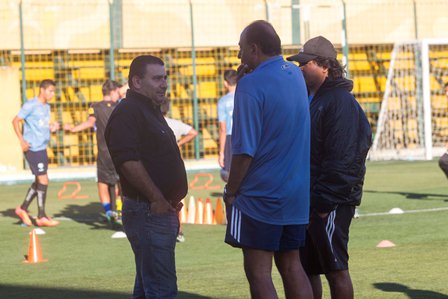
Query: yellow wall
(10, 152)
(84, 24)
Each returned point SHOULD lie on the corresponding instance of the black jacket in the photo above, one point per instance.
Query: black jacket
(340, 139)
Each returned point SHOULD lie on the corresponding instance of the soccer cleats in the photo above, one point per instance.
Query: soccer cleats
(23, 215)
(46, 221)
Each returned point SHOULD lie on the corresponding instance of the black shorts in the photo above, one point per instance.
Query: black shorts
(38, 161)
(105, 171)
(326, 246)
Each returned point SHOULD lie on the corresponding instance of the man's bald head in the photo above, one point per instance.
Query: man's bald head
(263, 34)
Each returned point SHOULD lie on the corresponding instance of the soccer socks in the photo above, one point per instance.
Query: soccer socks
(106, 207)
(41, 197)
(32, 192)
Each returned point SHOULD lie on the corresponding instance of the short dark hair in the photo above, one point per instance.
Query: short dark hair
(109, 86)
(335, 69)
(446, 85)
(47, 82)
(230, 76)
(138, 66)
(262, 33)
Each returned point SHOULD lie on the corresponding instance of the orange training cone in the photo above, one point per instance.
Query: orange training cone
(220, 215)
(191, 218)
(34, 252)
(208, 212)
(183, 213)
(199, 212)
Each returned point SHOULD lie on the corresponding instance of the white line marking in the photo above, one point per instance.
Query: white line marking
(405, 212)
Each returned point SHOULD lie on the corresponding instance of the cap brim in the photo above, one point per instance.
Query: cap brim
(301, 58)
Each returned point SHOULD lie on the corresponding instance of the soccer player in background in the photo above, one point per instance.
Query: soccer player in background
(183, 133)
(35, 114)
(267, 195)
(225, 114)
(340, 139)
(108, 179)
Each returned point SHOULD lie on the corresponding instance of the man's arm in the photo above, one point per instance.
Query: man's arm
(188, 137)
(238, 170)
(17, 128)
(54, 126)
(89, 123)
(222, 142)
(136, 175)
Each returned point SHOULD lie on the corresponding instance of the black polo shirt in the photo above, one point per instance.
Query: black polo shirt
(137, 131)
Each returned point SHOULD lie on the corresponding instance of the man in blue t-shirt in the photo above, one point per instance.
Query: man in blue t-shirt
(35, 114)
(267, 195)
(225, 114)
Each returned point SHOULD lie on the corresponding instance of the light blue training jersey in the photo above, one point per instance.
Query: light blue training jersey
(271, 123)
(36, 130)
(225, 111)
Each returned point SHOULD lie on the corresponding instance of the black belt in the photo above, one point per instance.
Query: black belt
(136, 197)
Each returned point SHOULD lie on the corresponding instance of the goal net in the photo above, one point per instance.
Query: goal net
(413, 120)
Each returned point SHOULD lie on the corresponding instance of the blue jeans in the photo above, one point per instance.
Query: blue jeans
(153, 240)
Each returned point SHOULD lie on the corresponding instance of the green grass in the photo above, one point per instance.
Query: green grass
(85, 262)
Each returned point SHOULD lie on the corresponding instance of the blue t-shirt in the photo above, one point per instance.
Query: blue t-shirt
(36, 129)
(225, 111)
(271, 123)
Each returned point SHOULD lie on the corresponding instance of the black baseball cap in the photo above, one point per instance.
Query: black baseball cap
(316, 47)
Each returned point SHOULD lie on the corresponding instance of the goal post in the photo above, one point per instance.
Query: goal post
(413, 119)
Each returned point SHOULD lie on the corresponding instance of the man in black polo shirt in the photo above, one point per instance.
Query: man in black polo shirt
(152, 175)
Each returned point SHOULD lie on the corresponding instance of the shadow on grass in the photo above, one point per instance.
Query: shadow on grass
(412, 195)
(411, 293)
(87, 214)
(11, 213)
(20, 292)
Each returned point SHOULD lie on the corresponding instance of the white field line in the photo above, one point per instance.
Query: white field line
(405, 212)
(96, 219)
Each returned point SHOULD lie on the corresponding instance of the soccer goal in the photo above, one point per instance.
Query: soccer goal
(413, 120)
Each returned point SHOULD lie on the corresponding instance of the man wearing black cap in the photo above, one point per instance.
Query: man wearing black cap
(340, 140)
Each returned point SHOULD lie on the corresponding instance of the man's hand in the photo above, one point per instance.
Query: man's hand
(242, 70)
(161, 206)
(54, 126)
(221, 160)
(229, 199)
(68, 127)
(24, 145)
(322, 215)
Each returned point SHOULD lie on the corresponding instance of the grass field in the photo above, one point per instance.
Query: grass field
(85, 262)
